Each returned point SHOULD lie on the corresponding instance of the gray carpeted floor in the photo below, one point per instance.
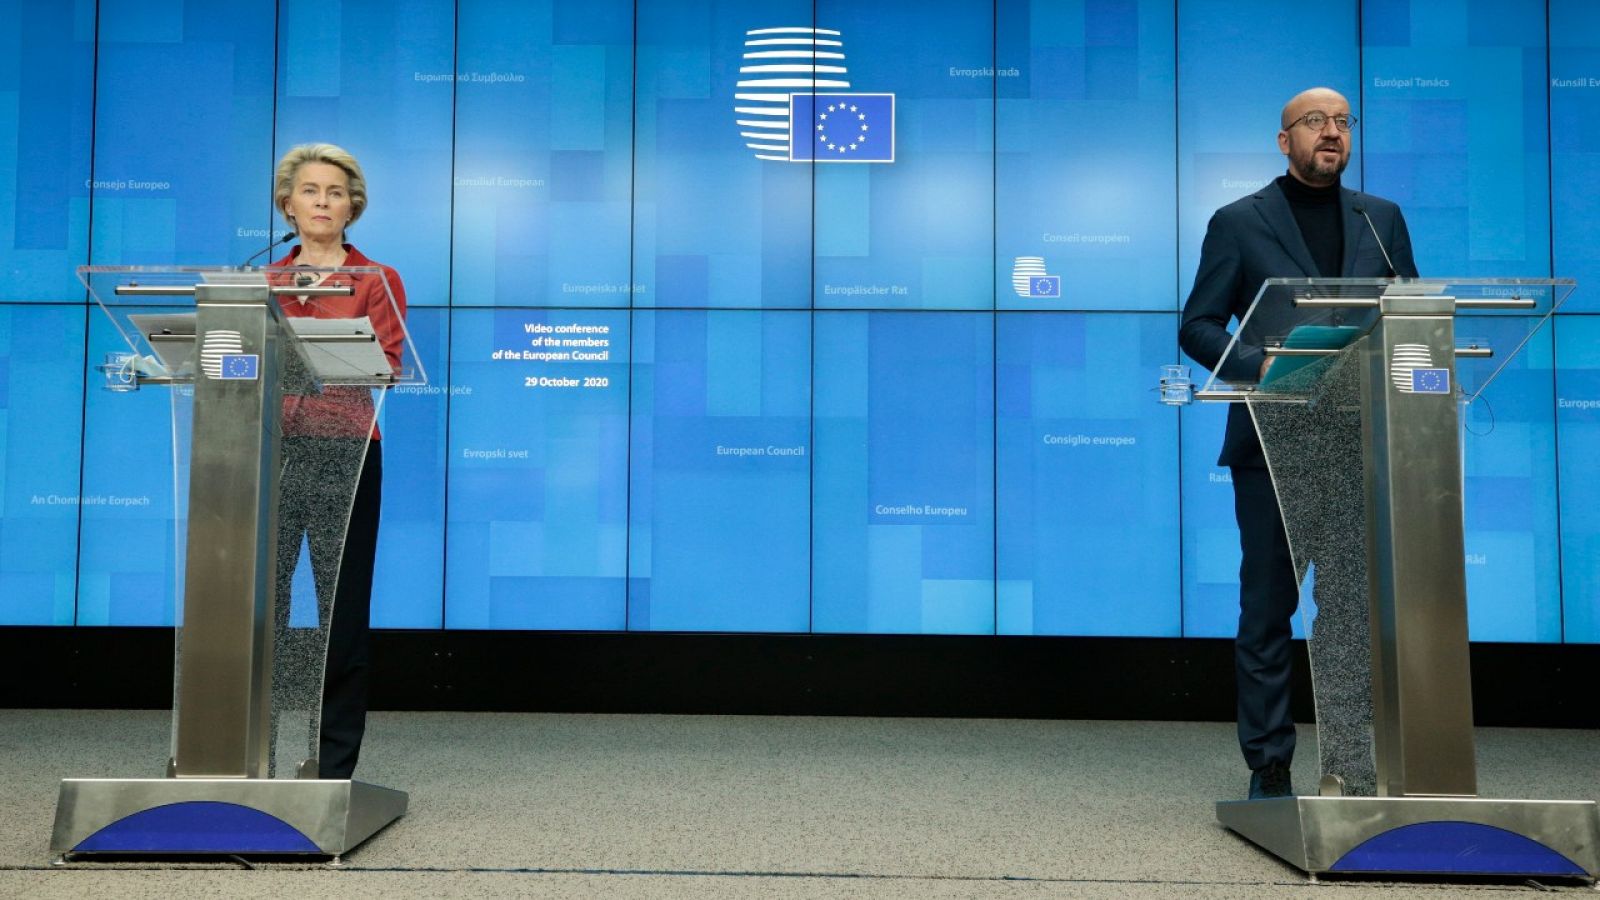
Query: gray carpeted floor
(680, 806)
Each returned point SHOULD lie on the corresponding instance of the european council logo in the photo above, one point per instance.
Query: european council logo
(1029, 280)
(215, 348)
(1411, 371)
(793, 103)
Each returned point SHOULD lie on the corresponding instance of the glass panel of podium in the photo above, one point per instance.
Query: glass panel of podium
(277, 377)
(1355, 388)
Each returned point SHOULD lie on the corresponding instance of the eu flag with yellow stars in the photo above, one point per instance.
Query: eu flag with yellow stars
(848, 128)
(1430, 381)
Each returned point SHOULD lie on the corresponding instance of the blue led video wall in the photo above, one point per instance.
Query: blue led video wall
(790, 316)
(537, 469)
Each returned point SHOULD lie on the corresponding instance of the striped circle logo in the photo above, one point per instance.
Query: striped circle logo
(1405, 359)
(779, 62)
(1023, 270)
(216, 345)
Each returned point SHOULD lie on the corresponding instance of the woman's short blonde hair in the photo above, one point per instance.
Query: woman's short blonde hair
(298, 156)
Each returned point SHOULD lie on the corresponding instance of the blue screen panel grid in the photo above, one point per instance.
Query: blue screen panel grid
(719, 517)
(719, 221)
(376, 79)
(705, 360)
(408, 577)
(1510, 483)
(183, 133)
(135, 494)
(46, 117)
(543, 153)
(537, 515)
(913, 229)
(41, 404)
(1575, 147)
(1238, 64)
(1455, 131)
(1210, 554)
(1085, 146)
(1577, 348)
(903, 482)
(1088, 489)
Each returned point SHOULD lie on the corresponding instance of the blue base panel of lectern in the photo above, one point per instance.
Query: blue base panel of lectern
(1456, 848)
(219, 816)
(1450, 837)
(201, 827)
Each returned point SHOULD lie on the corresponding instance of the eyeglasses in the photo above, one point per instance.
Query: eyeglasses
(1317, 120)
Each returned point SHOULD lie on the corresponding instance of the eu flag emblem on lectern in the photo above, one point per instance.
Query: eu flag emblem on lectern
(853, 128)
(1430, 381)
(240, 366)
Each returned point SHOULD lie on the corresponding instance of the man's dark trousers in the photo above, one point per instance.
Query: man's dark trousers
(1267, 600)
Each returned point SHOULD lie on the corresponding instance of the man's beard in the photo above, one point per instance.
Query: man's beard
(1313, 172)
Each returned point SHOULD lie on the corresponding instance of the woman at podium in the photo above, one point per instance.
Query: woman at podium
(331, 443)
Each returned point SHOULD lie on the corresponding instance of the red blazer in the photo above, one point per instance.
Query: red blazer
(346, 412)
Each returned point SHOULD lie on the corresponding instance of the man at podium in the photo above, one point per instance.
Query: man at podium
(1305, 223)
(320, 191)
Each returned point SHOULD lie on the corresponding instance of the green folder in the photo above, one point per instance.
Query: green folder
(1310, 337)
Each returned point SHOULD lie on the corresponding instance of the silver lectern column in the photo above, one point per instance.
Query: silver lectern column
(1359, 419)
(238, 351)
(223, 691)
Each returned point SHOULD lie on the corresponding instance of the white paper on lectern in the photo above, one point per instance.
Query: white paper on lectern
(177, 356)
(1414, 289)
(330, 361)
(342, 360)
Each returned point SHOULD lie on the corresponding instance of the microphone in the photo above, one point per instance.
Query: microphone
(283, 240)
(1361, 210)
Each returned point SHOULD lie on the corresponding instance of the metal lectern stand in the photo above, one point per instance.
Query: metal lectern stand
(1358, 417)
(236, 349)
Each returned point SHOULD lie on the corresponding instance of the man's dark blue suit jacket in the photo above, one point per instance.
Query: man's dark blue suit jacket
(1255, 238)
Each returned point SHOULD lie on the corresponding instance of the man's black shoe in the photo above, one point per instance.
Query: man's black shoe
(1271, 780)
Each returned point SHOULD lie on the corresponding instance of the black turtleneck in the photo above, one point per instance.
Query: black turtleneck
(1316, 211)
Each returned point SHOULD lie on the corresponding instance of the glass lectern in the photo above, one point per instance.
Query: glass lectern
(1354, 387)
(276, 379)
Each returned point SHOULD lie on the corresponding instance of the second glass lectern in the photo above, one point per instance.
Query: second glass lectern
(276, 378)
(1354, 386)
